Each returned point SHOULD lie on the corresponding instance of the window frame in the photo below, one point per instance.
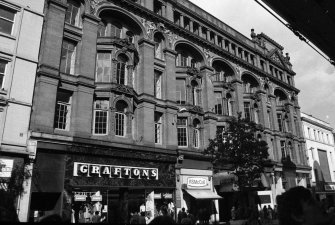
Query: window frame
(95, 110)
(182, 130)
(158, 128)
(158, 84)
(4, 73)
(179, 98)
(70, 59)
(76, 20)
(247, 112)
(121, 72)
(15, 12)
(104, 67)
(218, 103)
(67, 114)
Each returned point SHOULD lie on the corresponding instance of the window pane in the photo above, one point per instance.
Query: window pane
(119, 124)
(62, 113)
(180, 91)
(7, 13)
(6, 26)
(68, 57)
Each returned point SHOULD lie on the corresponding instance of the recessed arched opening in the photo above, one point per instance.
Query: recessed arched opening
(222, 71)
(250, 84)
(281, 97)
(196, 133)
(159, 45)
(120, 118)
(188, 56)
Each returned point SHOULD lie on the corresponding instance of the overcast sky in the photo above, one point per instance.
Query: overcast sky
(315, 76)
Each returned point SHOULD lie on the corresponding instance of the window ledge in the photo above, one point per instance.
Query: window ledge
(7, 36)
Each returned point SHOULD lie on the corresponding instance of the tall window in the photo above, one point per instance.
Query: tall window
(158, 128)
(309, 132)
(247, 111)
(103, 68)
(68, 58)
(101, 116)
(63, 110)
(102, 31)
(182, 131)
(3, 65)
(287, 124)
(158, 84)
(218, 105)
(158, 39)
(291, 152)
(120, 118)
(195, 94)
(72, 13)
(280, 122)
(282, 148)
(269, 119)
(121, 69)
(196, 133)
(183, 59)
(116, 30)
(180, 91)
(7, 18)
(158, 8)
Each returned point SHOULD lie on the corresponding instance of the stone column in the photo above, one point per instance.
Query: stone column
(238, 106)
(169, 79)
(145, 76)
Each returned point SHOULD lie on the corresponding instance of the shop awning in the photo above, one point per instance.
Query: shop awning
(202, 194)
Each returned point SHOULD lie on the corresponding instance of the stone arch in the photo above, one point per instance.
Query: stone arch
(250, 83)
(192, 49)
(121, 52)
(121, 14)
(124, 99)
(219, 65)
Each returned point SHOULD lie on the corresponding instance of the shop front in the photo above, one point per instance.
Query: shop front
(195, 192)
(114, 188)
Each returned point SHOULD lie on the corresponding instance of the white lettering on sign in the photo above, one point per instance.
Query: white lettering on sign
(112, 171)
(6, 167)
(196, 181)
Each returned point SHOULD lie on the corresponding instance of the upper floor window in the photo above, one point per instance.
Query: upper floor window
(159, 44)
(73, 13)
(182, 131)
(7, 18)
(280, 97)
(158, 128)
(68, 57)
(120, 118)
(269, 118)
(247, 111)
(282, 148)
(121, 69)
(63, 110)
(218, 104)
(110, 28)
(183, 59)
(256, 111)
(103, 67)
(280, 122)
(115, 30)
(3, 65)
(158, 6)
(196, 133)
(250, 84)
(158, 84)
(100, 116)
(180, 91)
(229, 102)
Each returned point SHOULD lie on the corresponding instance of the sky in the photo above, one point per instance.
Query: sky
(315, 76)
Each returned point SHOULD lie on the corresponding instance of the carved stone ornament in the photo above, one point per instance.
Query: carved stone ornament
(123, 89)
(172, 37)
(149, 27)
(94, 4)
(208, 56)
(276, 58)
(193, 71)
(196, 109)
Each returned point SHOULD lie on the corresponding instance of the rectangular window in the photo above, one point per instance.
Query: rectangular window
(176, 18)
(327, 139)
(204, 33)
(158, 128)
(324, 165)
(158, 84)
(196, 137)
(218, 105)
(183, 60)
(72, 13)
(269, 119)
(180, 91)
(101, 116)
(282, 148)
(280, 122)
(121, 73)
(3, 65)
(289, 80)
(68, 57)
(309, 133)
(120, 124)
(195, 28)
(103, 68)
(247, 111)
(63, 110)
(7, 18)
(182, 131)
(158, 7)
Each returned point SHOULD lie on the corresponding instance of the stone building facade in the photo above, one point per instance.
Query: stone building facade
(144, 84)
(320, 152)
(20, 35)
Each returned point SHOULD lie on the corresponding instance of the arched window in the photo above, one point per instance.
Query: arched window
(250, 84)
(195, 92)
(120, 118)
(121, 69)
(73, 13)
(280, 97)
(196, 133)
(159, 42)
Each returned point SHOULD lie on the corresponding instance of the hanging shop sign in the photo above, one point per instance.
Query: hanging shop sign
(112, 171)
(197, 182)
(6, 167)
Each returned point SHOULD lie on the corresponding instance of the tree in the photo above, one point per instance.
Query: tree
(240, 150)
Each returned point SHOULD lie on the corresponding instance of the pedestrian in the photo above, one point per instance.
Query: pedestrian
(181, 215)
(96, 217)
(270, 212)
(265, 215)
(275, 212)
(233, 213)
(164, 218)
(297, 207)
(191, 216)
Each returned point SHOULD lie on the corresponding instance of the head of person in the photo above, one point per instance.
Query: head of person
(183, 209)
(96, 213)
(298, 207)
(164, 210)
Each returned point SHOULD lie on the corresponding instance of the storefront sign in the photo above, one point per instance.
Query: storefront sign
(196, 182)
(6, 167)
(111, 171)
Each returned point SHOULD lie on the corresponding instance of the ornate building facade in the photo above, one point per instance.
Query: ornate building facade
(129, 92)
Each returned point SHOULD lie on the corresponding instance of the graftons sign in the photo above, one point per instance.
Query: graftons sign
(113, 171)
